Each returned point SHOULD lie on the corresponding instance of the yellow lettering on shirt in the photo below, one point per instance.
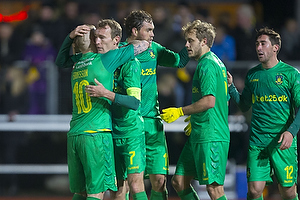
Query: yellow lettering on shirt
(269, 98)
(80, 74)
(195, 90)
(148, 72)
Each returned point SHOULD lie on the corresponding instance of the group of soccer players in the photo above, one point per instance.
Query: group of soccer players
(116, 131)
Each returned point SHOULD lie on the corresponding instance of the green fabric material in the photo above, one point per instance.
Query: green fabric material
(78, 197)
(63, 59)
(210, 79)
(127, 101)
(188, 194)
(222, 197)
(159, 195)
(140, 196)
(295, 126)
(260, 198)
(184, 57)
(127, 196)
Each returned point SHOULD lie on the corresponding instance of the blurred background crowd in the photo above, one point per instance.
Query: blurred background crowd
(30, 83)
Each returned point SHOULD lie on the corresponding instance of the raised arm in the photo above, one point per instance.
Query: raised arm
(64, 59)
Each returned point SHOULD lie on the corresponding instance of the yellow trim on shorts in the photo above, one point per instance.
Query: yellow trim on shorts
(99, 130)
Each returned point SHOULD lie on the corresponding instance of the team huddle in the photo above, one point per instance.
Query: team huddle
(116, 137)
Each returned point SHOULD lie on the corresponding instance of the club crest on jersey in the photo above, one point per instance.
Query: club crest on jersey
(279, 79)
(151, 53)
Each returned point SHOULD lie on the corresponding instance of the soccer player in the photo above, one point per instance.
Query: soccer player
(90, 147)
(272, 89)
(139, 26)
(204, 155)
(128, 131)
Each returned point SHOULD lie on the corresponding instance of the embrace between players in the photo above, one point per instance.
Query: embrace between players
(116, 131)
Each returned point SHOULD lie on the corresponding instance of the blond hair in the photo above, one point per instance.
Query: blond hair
(202, 30)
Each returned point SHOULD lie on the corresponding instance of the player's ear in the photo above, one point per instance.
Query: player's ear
(117, 40)
(134, 31)
(275, 48)
(204, 41)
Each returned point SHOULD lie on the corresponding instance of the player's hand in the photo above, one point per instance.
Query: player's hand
(286, 139)
(96, 90)
(188, 128)
(229, 79)
(79, 31)
(171, 114)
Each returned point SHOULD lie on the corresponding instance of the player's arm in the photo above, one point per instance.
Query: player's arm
(99, 90)
(139, 46)
(168, 58)
(64, 59)
(117, 57)
(171, 114)
(286, 138)
(243, 100)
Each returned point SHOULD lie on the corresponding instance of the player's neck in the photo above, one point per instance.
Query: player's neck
(130, 39)
(271, 63)
(86, 51)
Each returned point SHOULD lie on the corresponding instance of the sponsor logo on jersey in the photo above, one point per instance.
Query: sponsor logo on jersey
(269, 98)
(279, 79)
(151, 53)
(148, 72)
(195, 90)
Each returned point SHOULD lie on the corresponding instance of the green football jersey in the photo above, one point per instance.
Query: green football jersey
(273, 94)
(126, 122)
(150, 59)
(92, 114)
(210, 78)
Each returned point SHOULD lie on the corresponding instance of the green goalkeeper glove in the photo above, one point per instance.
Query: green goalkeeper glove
(171, 114)
(188, 128)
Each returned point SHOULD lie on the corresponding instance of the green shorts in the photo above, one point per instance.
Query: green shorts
(91, 163)
(262, 162)
(206, 162)
(157, 161)
(130, 155)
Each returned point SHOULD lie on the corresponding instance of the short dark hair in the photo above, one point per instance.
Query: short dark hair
(135, 19)
(274, 37)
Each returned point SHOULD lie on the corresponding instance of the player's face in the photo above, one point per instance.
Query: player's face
(193, 46)
(264, 49)
(103, 40)
(146, 32)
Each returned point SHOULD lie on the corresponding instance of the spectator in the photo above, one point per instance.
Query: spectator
(162, 24)
(70, 17)
(38, 50)
(53, 29)
(9, 47)
(291, 40)
(182, 17)
(224, 45)
(244, 33)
